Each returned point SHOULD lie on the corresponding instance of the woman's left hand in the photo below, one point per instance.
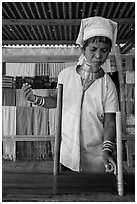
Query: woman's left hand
(109, 162)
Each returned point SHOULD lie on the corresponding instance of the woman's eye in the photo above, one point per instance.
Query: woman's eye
(105, 50)
(93, 49)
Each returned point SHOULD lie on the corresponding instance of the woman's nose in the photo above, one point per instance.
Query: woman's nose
(98, 54)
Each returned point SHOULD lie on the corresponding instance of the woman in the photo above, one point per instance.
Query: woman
(89, 101)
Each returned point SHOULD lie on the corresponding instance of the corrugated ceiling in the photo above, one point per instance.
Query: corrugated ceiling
(38, 23)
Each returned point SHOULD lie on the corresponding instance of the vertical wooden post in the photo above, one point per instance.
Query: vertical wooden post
(57, 137)
(122, 88)
(120, 186)
(58, 129)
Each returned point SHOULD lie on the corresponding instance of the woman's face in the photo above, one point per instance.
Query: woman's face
(96, 53)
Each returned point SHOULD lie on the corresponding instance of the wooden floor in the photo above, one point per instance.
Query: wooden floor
(33, 181)
(28, 165)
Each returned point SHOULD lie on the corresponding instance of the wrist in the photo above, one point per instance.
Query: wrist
(39, 100)
(35, 99)
(108, 146)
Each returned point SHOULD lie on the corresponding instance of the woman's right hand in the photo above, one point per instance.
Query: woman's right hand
(27, 92)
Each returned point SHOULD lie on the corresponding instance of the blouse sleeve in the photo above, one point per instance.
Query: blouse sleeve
(60, 78)
(111, 102)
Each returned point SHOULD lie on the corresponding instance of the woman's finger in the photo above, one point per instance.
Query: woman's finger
(111, 167)
(114, 166)
(27, 92)
(25, 87)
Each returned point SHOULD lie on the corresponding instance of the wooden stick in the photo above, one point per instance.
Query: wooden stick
(57, 137)
(118, 58)
(58, 129)
(120, 186)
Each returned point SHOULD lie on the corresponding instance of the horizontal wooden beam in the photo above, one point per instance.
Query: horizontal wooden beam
(28, 137)
(45, 42)
(43, 59)
(46, 137)
(38, 42)
(58, 21)
(38, 59)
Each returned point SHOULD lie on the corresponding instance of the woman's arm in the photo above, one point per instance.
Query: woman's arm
(46, 102)
(110, 127)
(50, 101)
(109, 141)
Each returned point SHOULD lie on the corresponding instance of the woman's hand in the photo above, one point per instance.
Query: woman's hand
(109, 162)
(27, 92)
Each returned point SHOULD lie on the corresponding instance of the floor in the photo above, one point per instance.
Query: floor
(28, 165)
(33, 181)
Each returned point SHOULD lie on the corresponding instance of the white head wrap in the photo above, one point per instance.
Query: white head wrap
(97, 26)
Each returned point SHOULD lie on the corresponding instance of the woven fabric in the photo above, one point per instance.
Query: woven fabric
(7, 81)
(9, 128)
(41, 69)
(20, 69)
(52, 121)
(40, 121)
(24, 123)
(8, 97)
(20, 100)
(8, 120)
(55, 69)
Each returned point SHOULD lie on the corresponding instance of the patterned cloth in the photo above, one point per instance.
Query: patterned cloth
(24, 123)
(9, 128)
(40, 121)
(8, 97)
(20, 100)
(55, 69)
(7, 81)
(42, 69)
(20, 69)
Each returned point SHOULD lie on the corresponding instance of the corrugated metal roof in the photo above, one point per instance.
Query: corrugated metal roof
(58, 22)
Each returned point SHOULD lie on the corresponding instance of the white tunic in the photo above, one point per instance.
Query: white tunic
(82, 120)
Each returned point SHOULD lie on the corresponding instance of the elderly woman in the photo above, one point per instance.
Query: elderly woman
(90, 101)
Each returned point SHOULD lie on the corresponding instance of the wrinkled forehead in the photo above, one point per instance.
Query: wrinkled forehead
(99, 44)
(98, 41)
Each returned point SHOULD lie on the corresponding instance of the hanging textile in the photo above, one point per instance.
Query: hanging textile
(24, 123)
(12, 69)
(52, 121)
(20, 69)
(40, 121)
(20, 100)
(8, 120)
(55, 69)
(41, 69)
(52, 112)
(7, 82)
(8, 97)
(9, 128)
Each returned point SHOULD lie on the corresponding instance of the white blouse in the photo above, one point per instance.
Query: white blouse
(82, 120)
